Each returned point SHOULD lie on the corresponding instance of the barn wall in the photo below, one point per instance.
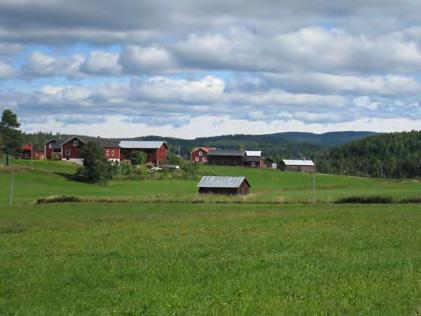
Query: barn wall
(300, 168)
(195, 156)
(75, 151)
(225, 160)
(112, 153)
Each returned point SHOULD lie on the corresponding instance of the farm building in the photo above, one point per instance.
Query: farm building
(26, 151)
(270, 163)
(254, 159)
(71, 148)
(200, 154)
(156, 151)
(114, 150)
(224, 185)
(298, 165)
(226, 157)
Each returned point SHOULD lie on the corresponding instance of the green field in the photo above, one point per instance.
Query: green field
(50, 178)
(158, 253)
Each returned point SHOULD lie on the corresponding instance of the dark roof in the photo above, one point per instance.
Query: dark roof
(222, 152)
(222, 182)
(104, 142)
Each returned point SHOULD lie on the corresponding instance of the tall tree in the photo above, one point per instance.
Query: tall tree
(11, 137)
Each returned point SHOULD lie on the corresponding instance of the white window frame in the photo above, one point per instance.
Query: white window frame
(75, 143)
(107, 152)
(67, 152)
(200, 153)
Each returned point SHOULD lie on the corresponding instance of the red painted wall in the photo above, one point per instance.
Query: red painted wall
(48, 150)
(70, 151)
(112, 152)
(199, 155)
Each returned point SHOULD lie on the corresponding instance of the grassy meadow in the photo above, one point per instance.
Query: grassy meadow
(162, 253)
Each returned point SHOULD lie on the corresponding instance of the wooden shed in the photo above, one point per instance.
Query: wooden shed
(298, 165)
(224, 185)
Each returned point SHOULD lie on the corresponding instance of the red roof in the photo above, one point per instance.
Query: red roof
(205, 149)
(26, 147)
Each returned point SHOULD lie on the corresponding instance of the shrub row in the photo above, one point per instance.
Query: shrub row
(59, 199)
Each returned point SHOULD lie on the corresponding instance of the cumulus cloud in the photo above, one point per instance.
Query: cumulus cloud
(308, 62)
(102, 63)
(138, 59)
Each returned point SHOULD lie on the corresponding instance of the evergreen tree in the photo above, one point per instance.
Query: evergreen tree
(10, 136)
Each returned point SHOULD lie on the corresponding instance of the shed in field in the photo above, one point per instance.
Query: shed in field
(224, 185)
(298, 165)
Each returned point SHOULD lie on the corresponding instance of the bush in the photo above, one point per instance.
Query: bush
(59, 199)
(365, 200)
(414, 200)
(138, 158)
(95, 168)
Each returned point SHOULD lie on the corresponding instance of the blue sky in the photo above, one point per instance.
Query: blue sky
(201, 68)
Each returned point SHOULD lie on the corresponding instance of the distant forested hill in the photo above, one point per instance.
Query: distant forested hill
(286, 145)
(395, 155)
(279, 145)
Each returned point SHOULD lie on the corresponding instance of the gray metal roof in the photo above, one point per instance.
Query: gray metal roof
(289, 162)
(221, 182)
(223, 152)
(253, 153)
(141, 144)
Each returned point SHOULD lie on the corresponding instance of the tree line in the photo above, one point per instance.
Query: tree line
(394, 155)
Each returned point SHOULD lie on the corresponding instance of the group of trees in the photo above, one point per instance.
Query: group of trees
(394, 155)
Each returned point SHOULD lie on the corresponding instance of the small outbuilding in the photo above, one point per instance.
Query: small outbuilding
(298, 165)
(224, 185)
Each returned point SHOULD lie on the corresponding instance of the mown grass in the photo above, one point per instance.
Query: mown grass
(161, 259)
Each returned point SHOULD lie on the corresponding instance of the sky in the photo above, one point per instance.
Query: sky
(194, 68)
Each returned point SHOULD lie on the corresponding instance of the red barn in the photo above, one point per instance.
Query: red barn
(26, 151)
(200, 154)
(70, 148)
(156, 151)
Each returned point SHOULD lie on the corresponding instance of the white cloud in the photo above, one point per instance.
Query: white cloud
(137, 59)
(102, 63)
(6, 71)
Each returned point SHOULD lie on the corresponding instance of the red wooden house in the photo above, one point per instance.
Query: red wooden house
(70, 149)
(200, 154)
(156, 151)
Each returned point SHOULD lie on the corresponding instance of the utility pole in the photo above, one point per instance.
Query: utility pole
(314, 185)
(11, 187)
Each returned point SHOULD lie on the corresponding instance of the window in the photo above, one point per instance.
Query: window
(67, 152)
(196, 158)
(50, 145)
(112, 153)
(75, 143)
(107, 153)
(253, 164)
(200, 153)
